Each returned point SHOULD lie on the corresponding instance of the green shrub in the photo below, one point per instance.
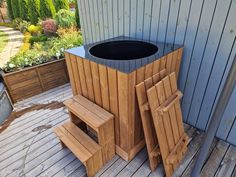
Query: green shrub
(33, 11)
(65, 18)
(9, 10)
(77, 15)
(23, 5)
(47, 9)
(40, 38)
(34, 30)
(15, 8)
(16, 23)
(61, 4)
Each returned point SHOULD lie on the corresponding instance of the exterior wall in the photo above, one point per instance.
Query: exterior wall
(206, 28)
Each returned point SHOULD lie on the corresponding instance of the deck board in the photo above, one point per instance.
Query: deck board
(24, 152)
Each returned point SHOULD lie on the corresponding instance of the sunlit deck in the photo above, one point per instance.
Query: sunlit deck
(28, 147)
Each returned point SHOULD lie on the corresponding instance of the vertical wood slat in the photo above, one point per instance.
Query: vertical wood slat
(123, 94)
(104, 86)
(114, 104)
(89, 80)
(75, 72)
(72, 81)
(82, 76)
(96, 83)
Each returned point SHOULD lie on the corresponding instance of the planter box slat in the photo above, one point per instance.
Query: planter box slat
(35, 80)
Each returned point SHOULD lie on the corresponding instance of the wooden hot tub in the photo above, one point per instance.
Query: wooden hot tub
(110, 81)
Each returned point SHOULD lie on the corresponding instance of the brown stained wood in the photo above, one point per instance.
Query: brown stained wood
(148, 70)
(75, 72)
(140, 75)
(131, 107)
(114, 104)
(82, 76)
(178, 111)
(169, 62)
(147, 122)
(89, 80)
(172, 141)
(178, 62)
(71, 75)
(159, 128)
(123, 94)
(82, 146)
(163, 63)
(171, 111)
(174, 60)
(156, 67)
(17, 77)
(96, 83)
(104, 87)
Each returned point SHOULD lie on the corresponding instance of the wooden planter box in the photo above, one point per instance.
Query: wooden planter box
(35, 80)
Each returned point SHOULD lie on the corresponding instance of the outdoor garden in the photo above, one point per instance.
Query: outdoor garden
(49, 27)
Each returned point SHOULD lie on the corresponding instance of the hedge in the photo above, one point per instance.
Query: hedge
(15, 8)
(9, 9)
(34, 11)
(24, 14)
(47, 9)
(61, 4)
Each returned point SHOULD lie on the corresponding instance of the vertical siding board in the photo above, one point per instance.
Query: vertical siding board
(194, 17)
(126, 17)
(182, 21)
(88, 21)
(140, 15)
(121, 17)
(231, 138)
(196, 55)
(228, 118)
(155, 19)
(208, 58)
(92, 21)
(133, 18)
(110, 18)
(163, 20)
(147, 19)
(115, 18)
(96, 21)
(173, 15)
(105, 18)
(82, 21)
(100, 19)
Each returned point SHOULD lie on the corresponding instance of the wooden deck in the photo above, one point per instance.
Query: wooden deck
(28, 147)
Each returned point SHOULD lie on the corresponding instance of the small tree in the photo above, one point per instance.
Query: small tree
(61, 4)
(33, 11)
(15, 8)
(77, 15)
(24, 14)
(47, 9)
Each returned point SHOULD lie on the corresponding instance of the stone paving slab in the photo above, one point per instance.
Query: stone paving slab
(15, 40)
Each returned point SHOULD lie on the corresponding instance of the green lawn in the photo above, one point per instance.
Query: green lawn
(3, 40)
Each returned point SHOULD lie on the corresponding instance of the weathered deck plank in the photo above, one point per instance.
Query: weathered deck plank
(27, 153)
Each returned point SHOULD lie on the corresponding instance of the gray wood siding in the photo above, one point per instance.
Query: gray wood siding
(206, 28)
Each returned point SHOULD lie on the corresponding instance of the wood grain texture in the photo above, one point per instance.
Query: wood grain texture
(35, 80)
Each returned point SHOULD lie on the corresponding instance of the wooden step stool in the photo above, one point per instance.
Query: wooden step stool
(85, 114)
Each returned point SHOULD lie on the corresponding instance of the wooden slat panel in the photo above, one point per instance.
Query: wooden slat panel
(123, 94)
(71, 75)
(147, 122)
(148, 70)
(96, 83)
(82, 76)
(156, 66)
(114, 102)
(104, 87)
(89, 80)
(159, 127)
(169, 62)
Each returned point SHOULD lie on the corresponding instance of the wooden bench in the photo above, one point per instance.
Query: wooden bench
(82, 146)
(86, 115)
